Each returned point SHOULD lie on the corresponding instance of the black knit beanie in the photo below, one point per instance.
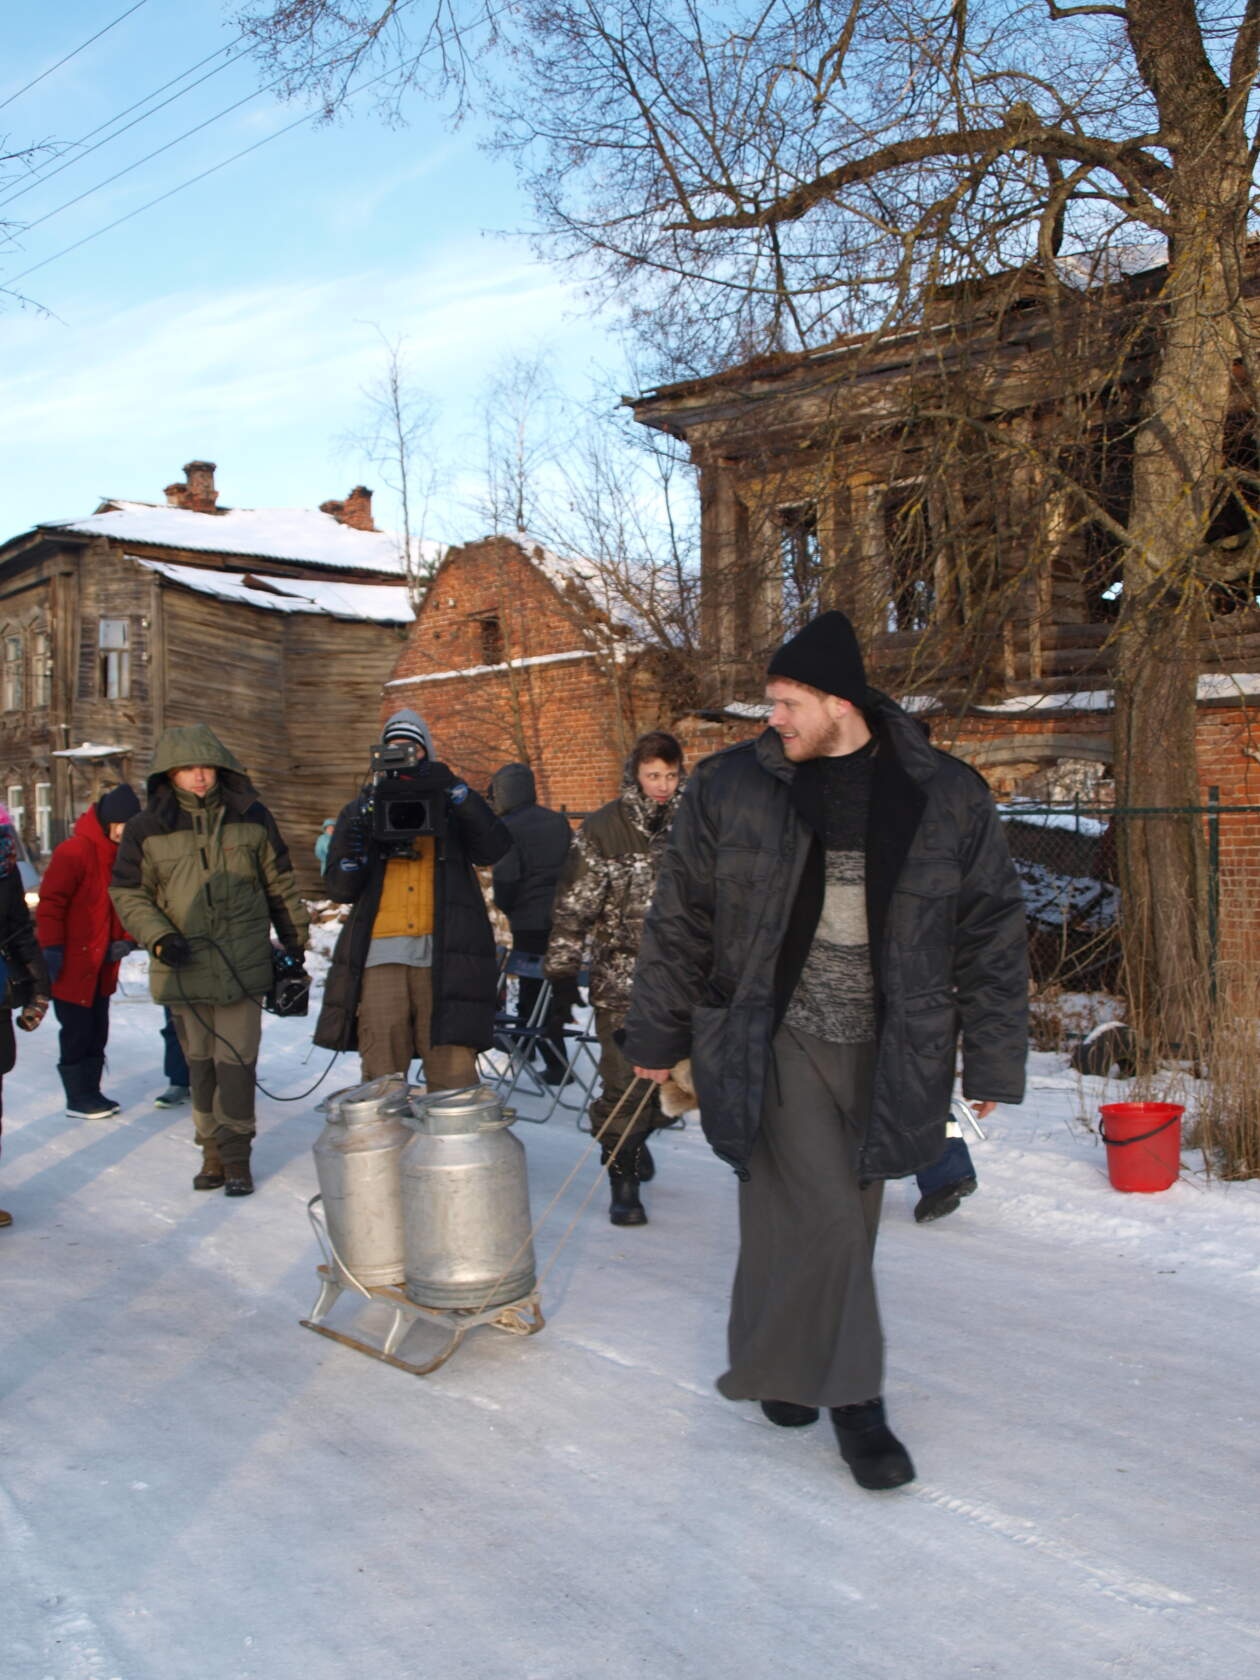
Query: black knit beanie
(119, 804)
(825, 654)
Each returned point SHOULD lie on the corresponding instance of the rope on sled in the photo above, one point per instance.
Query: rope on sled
(605, 1166)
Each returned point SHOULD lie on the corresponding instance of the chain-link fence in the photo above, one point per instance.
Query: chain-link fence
(1066, 857)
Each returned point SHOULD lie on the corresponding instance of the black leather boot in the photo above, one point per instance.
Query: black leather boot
(788, 1415)
(625, 1207)
(870, 1449)
(234, 1148)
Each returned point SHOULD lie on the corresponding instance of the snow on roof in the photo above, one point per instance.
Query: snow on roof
(492, 670)
(300, 534)
(379, 603)
(1229, 686)
(1037, 816)
(87, 751)
(1111, 262)
(1218, 686)
(1083, 700)
(556, 568)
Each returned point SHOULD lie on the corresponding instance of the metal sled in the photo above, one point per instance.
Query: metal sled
(522, 1317)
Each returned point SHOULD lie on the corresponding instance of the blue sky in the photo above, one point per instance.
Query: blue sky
(237, 321)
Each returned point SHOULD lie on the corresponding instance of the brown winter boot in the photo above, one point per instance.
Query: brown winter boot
(5, 1219)
(234, 1148)
(211, 1175)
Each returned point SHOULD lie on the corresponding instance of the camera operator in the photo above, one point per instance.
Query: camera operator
(414, 971)
(202, 875)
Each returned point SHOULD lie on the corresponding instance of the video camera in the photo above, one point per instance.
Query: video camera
(290, 992)
(397, 812)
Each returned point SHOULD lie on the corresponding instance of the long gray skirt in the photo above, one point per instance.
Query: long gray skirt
(804, 1322)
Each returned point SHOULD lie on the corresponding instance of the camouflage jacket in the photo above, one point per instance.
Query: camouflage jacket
(604, 893)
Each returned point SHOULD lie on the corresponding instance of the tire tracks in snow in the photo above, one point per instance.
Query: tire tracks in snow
(1105, 1577)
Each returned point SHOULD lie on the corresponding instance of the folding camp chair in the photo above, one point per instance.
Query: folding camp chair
(508, 1065)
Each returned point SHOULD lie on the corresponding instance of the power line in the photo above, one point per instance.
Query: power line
(83, 48)
(157, 151)
(306, 117)
(490, 16)
(38, 177)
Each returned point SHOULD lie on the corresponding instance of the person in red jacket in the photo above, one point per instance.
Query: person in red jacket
(83, 943)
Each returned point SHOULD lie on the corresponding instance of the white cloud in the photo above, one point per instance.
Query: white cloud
(258, 378)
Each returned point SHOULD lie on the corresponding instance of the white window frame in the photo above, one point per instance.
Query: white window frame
(13, 667)
(43, 816)
(41, 668)
(16, 801)
(113, 643)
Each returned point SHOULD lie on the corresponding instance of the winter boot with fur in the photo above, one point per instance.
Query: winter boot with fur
(624, 1180)
(870, 1449)
(234, 1148)
(211, 1175)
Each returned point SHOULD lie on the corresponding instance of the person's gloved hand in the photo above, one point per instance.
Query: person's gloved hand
(118, 949)
(54, 957)
(31, 1014)
(173, 950)
(431, 777)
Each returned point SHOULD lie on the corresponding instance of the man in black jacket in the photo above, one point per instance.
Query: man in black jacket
(835, 907)
(414, 970)
(524, 889)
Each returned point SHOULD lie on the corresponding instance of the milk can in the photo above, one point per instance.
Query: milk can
(466, 1225)
(356, 1161)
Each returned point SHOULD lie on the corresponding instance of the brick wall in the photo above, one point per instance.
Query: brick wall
(574, 718)
(503, 665)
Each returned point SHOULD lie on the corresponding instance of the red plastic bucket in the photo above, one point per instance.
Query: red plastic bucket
(1143, 1144)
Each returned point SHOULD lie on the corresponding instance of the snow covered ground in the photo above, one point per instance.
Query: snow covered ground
(192, 1487)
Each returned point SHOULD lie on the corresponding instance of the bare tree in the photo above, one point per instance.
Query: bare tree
(766, 177)
(398, 437)
(519, 404)
(15, 167)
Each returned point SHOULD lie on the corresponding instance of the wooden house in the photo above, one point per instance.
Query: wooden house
(903, 480)
(275, 626)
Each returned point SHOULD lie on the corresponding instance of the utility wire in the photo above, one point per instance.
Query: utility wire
(157, 151)
(46, 73)
(38, 177)
(9, 281)
(306, 117)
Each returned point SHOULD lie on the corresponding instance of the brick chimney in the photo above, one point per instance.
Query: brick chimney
(198, 495)
(355, 511)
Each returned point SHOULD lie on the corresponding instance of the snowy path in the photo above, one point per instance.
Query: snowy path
(194, 1488)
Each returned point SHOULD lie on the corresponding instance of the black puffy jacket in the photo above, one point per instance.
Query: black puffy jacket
(736, 904)
(525, 880)
(465, 968)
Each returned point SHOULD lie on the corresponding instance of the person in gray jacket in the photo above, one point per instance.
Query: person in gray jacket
(835, 908)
